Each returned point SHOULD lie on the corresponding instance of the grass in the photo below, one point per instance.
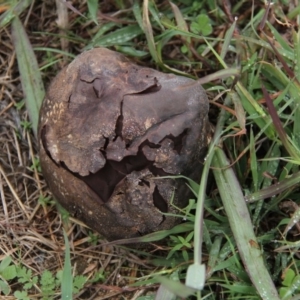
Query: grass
(239, 238)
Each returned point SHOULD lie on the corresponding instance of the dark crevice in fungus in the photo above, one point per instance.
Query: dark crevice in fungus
(105, 144)
(178, 140)
(159, 201)
(97, 87)
(69, 101)
(119, 123)
(152, 89)
(119, 126)
(144, 182)
(105, 180)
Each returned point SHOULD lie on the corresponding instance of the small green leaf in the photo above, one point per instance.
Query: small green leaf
(78, 283)
(46, 200)
(296, 282)
(47, 283)
(202, 25)
(19, 105)
(9, 273)
(292, 288)
(4, 287)
(5, 263)
(21, 295)
(27, 285)
(185, 255)
(184, 49)
(283, 291)
(93, 9)
(182, 240)
(24, 277)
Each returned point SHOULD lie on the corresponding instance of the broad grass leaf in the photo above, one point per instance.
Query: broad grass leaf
(241, 226)
(67, 278)
(31, 78)
(155, 236)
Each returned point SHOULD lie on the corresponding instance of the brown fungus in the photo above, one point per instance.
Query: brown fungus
(108, 130)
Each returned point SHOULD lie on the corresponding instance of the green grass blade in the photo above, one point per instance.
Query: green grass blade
(253, 161)
(241, 226)
(93, 7)
(155, 14)
(218, 75)
(31, 78)
(278, 37)
(53, 50)
(214, 255)
(192, 279)
(291, 182)
(255, 109)
(155, 236)
(16, 8)
(263, 44)
(104, 28)
(294, 153)
(181, 23)
(275, 75)
(67, 278)
(137, 13)
(119, 36)
(239, 110)
(149, 32)
(227, 40)
(296, 129)
(293, 13)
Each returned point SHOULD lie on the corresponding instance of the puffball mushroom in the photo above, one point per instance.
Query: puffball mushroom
(110, 131)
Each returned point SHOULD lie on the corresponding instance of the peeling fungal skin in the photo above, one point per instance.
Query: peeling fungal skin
(109, 129)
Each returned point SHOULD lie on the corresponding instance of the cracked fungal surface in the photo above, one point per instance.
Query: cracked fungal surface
(109, 130)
